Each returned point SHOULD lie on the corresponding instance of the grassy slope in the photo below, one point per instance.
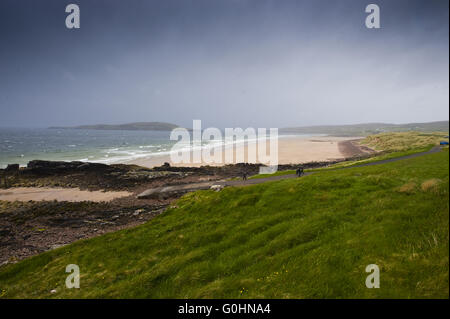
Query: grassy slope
(278, 173)
(392, 144)
(404, 141)
(396, 145)
(377, 158)
(368, 128)
(300, 238)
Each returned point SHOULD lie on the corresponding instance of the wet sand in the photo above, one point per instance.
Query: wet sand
(59, 194)
(291, 150)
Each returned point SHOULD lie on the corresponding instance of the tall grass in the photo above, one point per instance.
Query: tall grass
(403, 141)
(310, 237)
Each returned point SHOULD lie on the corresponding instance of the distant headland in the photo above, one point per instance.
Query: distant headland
(367, 128)
(136, 126)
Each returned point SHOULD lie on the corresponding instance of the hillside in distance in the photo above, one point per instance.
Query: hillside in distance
(136, 126)
(368, 128)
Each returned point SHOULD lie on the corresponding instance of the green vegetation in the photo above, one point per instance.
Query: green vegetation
(393, 145)
(367, 129)
(257, 176)
(278, 173)
(404, 141)
(383, 156)
(310, 237)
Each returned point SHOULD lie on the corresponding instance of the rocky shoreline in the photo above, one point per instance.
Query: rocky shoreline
(29, 228)
(96, 176)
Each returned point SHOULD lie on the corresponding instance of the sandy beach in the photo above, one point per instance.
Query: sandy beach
(291, 150)
(59, 194)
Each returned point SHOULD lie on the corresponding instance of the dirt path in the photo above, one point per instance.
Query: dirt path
(174, 191)
(435, 149)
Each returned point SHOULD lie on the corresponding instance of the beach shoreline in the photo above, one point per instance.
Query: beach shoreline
(58, 194)
(103, 198)
(291, 150)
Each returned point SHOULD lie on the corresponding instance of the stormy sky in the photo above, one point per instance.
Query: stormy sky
(261, 63)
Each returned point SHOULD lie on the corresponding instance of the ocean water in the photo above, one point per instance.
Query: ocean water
(19, 146)
(23, 145)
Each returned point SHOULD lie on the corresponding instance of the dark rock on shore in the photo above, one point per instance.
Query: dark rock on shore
(229, 170)
(97, 176)
(39, 166)
(12, 168)
(29, 228)
(87, 175)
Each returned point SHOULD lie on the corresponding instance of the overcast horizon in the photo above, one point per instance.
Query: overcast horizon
(229, 63)
(205, 126)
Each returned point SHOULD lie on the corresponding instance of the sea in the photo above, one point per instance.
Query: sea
(21, 145)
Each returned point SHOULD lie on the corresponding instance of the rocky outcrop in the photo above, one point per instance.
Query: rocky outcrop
(217, 187)
(39, 166)
(87, 175)
(132, 172)
(166, 192)
(12, 168)
(145, 175)
(97, 176)
(225, 170)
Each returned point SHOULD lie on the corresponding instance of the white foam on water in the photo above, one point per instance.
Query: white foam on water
(133, 154)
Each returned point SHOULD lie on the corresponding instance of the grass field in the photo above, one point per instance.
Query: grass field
(278, 173)
(299, 238)
(404, 141)
(392, 145)
(376, 158)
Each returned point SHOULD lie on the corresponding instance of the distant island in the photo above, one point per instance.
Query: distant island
(363, 129)
(367, 128)
(137, 126)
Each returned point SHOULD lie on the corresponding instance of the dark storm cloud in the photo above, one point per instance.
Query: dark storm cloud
(227, 62)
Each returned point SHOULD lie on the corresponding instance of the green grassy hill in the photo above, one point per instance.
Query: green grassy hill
(367, 128)
(310, 237)
(404, 141)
